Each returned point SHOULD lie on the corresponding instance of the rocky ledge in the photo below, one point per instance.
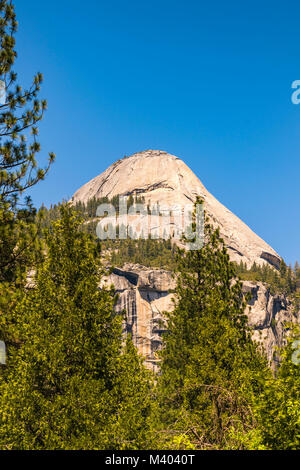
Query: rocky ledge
(144, 294)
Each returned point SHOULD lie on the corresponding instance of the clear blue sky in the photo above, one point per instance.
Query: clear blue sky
(207, 81)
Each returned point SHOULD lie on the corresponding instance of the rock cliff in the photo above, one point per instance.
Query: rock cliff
(144, 294)
(165, 179)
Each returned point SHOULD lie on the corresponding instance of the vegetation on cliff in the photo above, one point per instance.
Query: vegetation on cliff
(162, 253)
(211, 370)
(70, 381)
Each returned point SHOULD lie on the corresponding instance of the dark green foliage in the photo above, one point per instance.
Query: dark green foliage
(211, 369)
(88, 211)
(19, 243)
(131, 424)
(278, 408)
(283, 281)
(20, 112)
(146, 252)
(150, 253)
(68, 383)
(162, 253)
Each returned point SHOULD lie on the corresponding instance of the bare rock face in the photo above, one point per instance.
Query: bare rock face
(144, 296)
(165, 179)
(269, 315)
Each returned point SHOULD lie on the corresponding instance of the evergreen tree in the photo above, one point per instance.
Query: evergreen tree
(67, 382)
(211, 369)
(297, 270)
(131, 426)
(20, 112)
(278, 408)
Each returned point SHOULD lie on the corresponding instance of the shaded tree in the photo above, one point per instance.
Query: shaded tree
(68, 382)
(278, 407)
(211, 369)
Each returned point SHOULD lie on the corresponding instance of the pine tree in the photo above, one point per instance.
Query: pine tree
(211, 369)
(67, 382)
(278, 407)
(20, 112)
(131, 426)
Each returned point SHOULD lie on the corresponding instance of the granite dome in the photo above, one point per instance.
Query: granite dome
(161, 177)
